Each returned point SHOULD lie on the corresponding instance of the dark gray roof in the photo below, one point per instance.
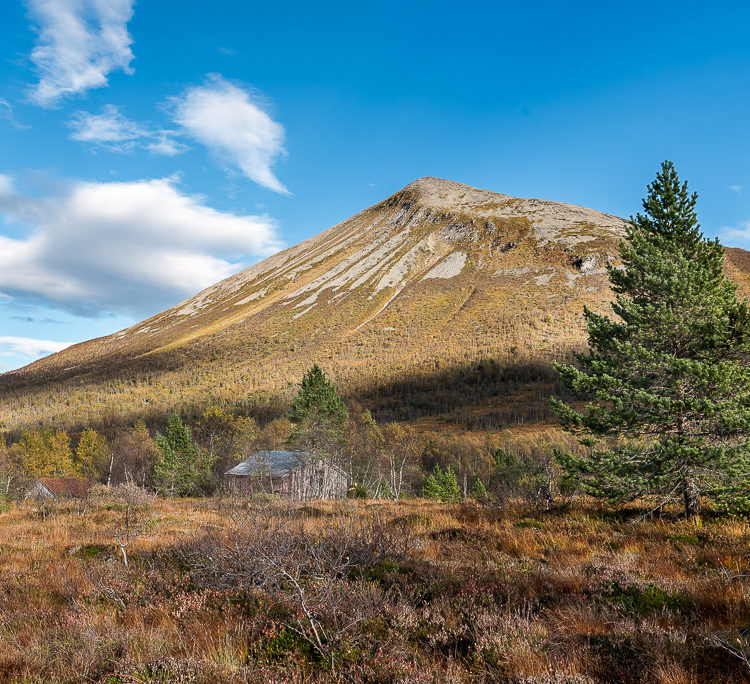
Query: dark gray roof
(277, 463)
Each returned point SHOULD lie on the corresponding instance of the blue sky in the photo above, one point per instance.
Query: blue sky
(148, 149)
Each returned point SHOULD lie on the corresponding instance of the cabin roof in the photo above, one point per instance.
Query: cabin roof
(67, 486)
(276, 463)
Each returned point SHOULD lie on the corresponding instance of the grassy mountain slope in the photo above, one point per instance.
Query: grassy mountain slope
(443, 304)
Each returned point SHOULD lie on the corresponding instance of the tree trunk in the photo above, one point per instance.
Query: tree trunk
(692, 496)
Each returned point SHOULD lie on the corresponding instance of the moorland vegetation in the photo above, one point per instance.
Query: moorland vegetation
(222, 590)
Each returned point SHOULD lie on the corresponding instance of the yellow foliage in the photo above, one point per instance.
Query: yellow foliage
(48, 453)
(92, 454)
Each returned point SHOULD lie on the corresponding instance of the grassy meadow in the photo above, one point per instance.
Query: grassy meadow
(222, 590)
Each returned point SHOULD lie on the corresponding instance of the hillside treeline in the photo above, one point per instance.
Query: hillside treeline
(383, 460)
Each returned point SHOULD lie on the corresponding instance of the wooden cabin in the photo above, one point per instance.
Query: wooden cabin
(59, 488)
(294, 474)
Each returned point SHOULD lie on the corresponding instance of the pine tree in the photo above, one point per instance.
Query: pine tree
(450, 491)
(667, 381)
(479, 491)
(431, 488)
(441, 485)
(318, 413)
(182, 469)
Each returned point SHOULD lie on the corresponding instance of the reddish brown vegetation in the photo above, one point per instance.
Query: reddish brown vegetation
(222, 591)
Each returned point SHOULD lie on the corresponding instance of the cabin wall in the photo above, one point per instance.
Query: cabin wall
(313, 479)
(39, 491)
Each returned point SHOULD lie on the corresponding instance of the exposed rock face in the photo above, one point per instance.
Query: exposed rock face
(432, 229)
(550, 221)
(588, 263)
(436, 273)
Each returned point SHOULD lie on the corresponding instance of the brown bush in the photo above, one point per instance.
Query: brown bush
(225, 591)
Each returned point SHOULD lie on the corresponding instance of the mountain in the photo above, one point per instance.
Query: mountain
(442, 304)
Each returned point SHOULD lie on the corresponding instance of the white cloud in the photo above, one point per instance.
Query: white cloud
(108, 127)
(736, 236)
(115, 132)
(7, 113)
(232, 123)
(6, 185)
(131, 248)
(736, 188)
(163, 143)
(79, 43)
(30, 346)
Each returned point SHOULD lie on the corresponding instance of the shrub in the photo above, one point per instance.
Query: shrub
(359, 491)
(648, 599)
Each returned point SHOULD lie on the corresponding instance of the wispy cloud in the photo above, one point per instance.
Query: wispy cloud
(736, 188)
(31, 319)
(736, 236)
(29, 346)
(228, 120)
(80, 42)
(108, 128)
(163, 142)
(113, 131)
(7, 114)
(6, 186)
(233, 123)
(129, 248)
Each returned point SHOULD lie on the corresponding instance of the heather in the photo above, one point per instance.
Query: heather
(224, 590)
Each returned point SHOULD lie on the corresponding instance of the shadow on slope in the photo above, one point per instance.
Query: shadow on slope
(479, 396)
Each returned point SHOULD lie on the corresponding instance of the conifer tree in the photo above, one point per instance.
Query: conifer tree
(182, 469)
(451, 493)
(479, 491)
(667, 381)
(431, 487)
(441, 485)
(318, 413)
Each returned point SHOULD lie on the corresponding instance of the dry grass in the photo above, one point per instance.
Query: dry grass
(440, 593)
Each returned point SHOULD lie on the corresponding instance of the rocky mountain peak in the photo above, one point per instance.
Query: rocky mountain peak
(446, 194)
(434, 270)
